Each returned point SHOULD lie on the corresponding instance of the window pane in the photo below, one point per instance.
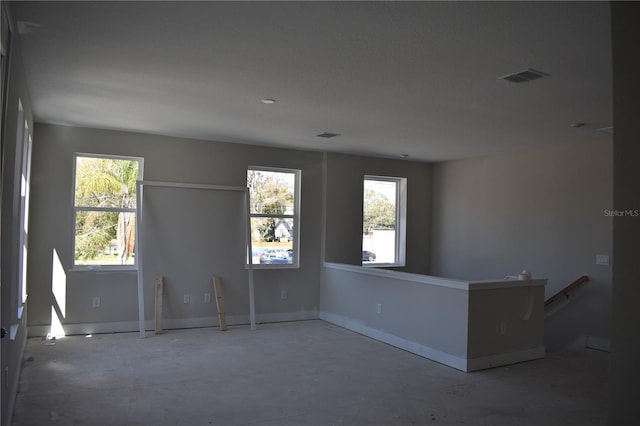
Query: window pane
(379, 221)
(105, 182)
(271, 192)
(105, 238)
(272, 240)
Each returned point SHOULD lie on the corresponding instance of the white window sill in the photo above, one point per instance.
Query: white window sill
(104, 268)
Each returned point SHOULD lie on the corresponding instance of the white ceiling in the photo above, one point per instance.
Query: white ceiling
(417, 78)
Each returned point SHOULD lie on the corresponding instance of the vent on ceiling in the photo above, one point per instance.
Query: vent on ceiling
(328, 135)
(523, 76)
(608, 130)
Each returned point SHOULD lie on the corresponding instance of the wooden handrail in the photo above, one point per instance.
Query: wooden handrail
(565, 291)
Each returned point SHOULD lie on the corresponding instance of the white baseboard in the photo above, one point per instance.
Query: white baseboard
(598, 343)
(482, 363)
(457, 362)
(399, 342)
(169, 324)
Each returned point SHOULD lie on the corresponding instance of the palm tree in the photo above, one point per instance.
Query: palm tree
(105, 182)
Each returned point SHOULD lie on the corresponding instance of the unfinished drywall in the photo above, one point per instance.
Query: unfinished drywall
(344, 192)
(624, 378)
(176, 160)
(542, 210)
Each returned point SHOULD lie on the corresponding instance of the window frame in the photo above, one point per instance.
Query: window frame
(23, 163)
(76, 209)
(295, 261)
(400, 249)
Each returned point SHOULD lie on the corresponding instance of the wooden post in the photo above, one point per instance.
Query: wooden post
(217, 289)
(159, 287)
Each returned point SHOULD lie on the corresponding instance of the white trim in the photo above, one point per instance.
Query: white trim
(398, 275)
(598, 343)
(498, 360)
(454, 361)
(169, 324)
(401, 219)
(75, 209)
(297, 201)
(323, 212)
(105, 209)
(399, 342)
(192, 185)
(179, 185)
(249, 266)
(139, 197)
(437, 281)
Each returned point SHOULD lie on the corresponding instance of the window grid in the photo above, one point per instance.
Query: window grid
(118, 214)
(275, 225)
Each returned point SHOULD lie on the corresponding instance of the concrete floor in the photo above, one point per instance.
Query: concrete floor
(298, 373)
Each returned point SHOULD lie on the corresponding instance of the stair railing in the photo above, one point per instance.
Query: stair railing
(565, 291)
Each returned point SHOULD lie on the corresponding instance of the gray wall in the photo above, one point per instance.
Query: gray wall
(499, 324)
(541, 210)
(344, 191)
(411, 311)
(624, 378)
(12, 350)
(189, 235)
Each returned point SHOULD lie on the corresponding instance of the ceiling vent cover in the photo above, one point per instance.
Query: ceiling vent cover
(328, 135)
(523, 76)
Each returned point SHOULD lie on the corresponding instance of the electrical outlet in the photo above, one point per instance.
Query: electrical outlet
(379, 308)
(207, 298)
(283, 294)
(95, 302)
(186, 298)
(503, 328)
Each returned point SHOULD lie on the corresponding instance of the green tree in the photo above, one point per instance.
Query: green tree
(378, 212)
(105, 182)
(270, 193)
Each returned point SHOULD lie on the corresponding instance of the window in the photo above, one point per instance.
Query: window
(105, 210)
(384, 221)
(23, 159)
(275, 216)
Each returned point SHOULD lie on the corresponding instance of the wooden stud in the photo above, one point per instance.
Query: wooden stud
(222, 316)
(159, 287)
